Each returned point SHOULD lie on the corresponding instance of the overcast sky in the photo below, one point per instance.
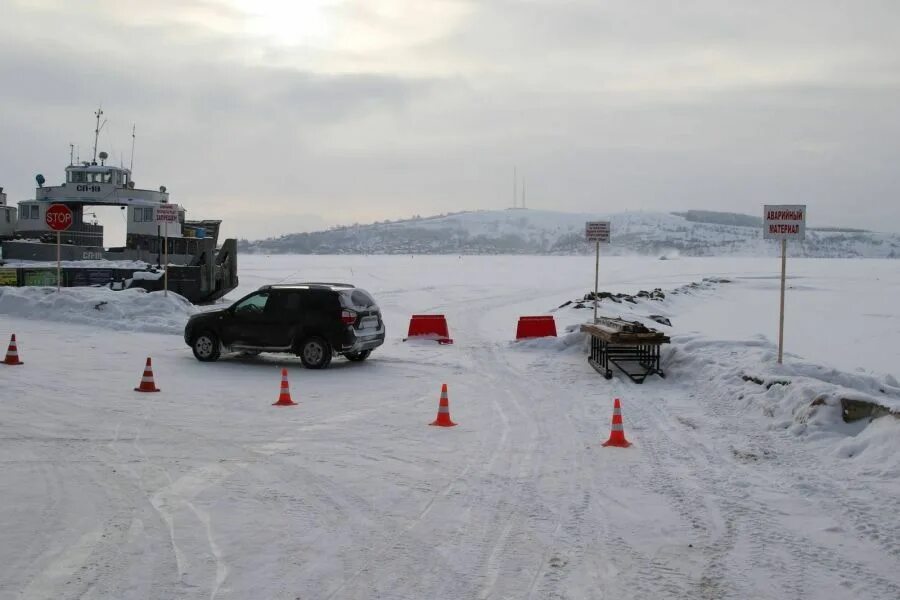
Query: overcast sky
(281, 116)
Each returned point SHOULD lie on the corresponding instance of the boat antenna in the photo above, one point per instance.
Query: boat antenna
(71, 154)
(98, 114)
(515, 184)
(523, 191)
(131, 166)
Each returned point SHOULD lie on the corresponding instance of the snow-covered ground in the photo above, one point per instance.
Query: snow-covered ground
(732, 489)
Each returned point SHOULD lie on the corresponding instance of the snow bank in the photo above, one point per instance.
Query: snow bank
(126, 310)
(571, 341)
(803, 398)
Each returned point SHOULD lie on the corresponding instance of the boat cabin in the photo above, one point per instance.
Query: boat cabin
(7, 217)
(90, 184)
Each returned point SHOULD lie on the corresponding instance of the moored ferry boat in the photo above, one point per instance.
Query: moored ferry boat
(198, 268)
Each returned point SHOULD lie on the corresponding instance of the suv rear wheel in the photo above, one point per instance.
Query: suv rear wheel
(315, 352)
(206, 347)
(358, 356)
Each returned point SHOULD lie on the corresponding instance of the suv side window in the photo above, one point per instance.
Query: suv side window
(252, 305)
(320, 301)
(284, 304)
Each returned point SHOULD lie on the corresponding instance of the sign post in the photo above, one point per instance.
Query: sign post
(598, 232)
(784, 222)
(165, 214)
(59, 218)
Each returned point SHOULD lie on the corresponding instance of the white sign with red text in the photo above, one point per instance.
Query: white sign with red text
(784, 221)
(167, 213)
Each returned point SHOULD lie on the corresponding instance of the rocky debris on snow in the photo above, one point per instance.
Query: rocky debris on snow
(655, 294)
(752, 455)
(660, 319)
(768, 383)
(707, 283)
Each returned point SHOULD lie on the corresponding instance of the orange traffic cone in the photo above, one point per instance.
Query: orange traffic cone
(443, 414)
(617, 434)
(12, 355)
(147, 384)
(284, 398)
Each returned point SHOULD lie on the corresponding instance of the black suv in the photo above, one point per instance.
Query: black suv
(312, 320)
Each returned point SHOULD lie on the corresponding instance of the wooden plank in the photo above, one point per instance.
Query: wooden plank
(612, 336)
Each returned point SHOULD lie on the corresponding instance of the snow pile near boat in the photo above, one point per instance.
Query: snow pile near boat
(126, 310)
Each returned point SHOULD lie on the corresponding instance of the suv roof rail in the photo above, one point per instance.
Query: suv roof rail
(349, 285)
(308, 283)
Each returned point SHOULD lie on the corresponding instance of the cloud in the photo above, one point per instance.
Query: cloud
(354, 111)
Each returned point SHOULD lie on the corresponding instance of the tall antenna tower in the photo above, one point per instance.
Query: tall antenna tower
(515, 185)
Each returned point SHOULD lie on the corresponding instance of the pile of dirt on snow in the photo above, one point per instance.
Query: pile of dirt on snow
(128, 310)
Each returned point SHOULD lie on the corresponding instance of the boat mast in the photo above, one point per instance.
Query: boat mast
(131, 166)
(71, 154)
(98, 114)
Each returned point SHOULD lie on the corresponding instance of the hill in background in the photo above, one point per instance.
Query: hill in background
(519, 231)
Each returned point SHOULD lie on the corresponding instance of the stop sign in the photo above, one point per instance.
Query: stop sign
(59, 217)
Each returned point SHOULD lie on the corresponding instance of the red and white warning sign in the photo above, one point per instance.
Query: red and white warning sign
(59, 217)
(167, 213)
(784, 221)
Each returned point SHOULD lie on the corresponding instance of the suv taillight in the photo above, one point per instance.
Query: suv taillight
(348, 317)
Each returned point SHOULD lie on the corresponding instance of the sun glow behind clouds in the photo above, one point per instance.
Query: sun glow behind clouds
(288, 22)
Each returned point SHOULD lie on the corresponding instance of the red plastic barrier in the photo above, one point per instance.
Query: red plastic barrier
(535, 327)
(431, 326)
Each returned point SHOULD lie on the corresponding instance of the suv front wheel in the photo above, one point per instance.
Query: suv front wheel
(315, 353)
(206, 347)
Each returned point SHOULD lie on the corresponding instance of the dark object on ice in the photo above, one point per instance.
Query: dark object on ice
(100, 305)
(315, 321)
(856, 410)
(564, 304)
(579, 305)
(660, 319)
(630, 346)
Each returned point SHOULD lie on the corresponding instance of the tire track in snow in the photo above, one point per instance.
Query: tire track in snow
(744, 515)
(510, 544)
